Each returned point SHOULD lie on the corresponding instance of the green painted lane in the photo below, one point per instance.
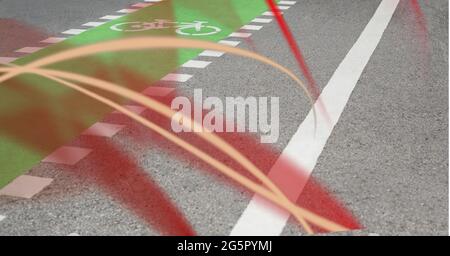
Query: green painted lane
(37, 115)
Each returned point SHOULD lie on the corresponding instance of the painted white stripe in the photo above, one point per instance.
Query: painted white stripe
(251, 27)
(261, 20)
(103, 129)
(127, 10)
(67, 155)
(283, 7)
(287, 2)
(196, 64)
(7, 59)
(305, 147)
(172, 77)
(111, 17)
(229, 42)
(209, 53)
(73, 234)
(93, 24)
(270, 13)
(25, 186)
(141, 5)
(135, 109)
(153, 0)
(240, 35)
(29, 49)
(53, 40)
(2, 217)
(74, 31)
(157, 91)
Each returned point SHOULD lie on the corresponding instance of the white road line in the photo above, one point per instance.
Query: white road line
(73, 234)
(2, 217)
(29, 49)
(103, 129)
(157, 91)
(153, 1)
(287, 2)
(172, 77)
(53, 40)
(74, 31)
(127, 10)
(196, 64)
(229, 42)
(67, 155)
(141, 5)
(283, 7)
(304, 148)
(7, 59)
(269, 13)
(111, 17)
(209, 53)
(240, 35)
(25, 186)
(251, 27)
(261, 20)
(93, 24)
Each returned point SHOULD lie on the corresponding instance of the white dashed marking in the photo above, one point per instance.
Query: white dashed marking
(67, 155)
(103, 129)
(209, 53)
(2, 217)
(172, 77)
(287, 2)
(25, 186)
(251, 27)
(141, 5)
(261, 20)
(74, 31)
(111, 17)
(240, 35)
(53, 40)
(229, 43)
(196, 64)
(283, 7)
(29, 49)
(93, 24)
(127, 10)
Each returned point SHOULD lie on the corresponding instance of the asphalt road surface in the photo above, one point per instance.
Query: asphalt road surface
(386, 159)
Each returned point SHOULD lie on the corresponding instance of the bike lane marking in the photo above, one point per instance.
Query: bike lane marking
(28, 157)
(305, 147)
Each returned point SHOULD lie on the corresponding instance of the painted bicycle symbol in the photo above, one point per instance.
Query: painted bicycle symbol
(194, 28)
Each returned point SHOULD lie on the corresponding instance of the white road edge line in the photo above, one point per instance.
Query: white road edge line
(2, 217)
(260, 218)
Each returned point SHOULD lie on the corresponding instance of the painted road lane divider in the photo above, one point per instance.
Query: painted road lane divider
(305, 147)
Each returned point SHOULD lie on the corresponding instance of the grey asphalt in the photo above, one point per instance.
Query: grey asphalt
(387, 158)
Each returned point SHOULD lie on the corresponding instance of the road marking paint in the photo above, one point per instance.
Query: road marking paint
(67, 155)
(133, 108)
(305, 147)
(53, 40)
(287, 2)
(229, 42)
(74, 31)
(2, 217)
(153, 0)
(111, 17)
(251, 27)
(209, 53)
(127, 10)
(25, 186)
(261, 20)
(7, 59)
(283, 7)
(142, 5)
(103, 129)
(157, 91)
(73, 234)
(196, 64)
(172, 77)
(93, 24)
(268, 13)
(29, 49)
(239, 34)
